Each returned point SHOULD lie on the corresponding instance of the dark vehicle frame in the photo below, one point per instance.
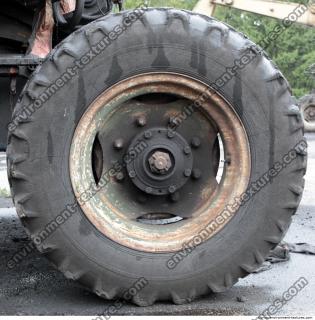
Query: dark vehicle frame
(28, 31)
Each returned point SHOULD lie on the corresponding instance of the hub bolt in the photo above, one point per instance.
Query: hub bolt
(141, 121)
(119, 144)
(132, 174)
(172, 189)
(142, 199)
(195, 142)
(196, 174)
(187, 173)
(187, 150)
(170, 134)
(148, 190)
(148, 134)
(120, 176)
(175, 197)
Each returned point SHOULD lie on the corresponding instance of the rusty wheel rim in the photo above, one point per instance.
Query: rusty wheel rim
(102, 201)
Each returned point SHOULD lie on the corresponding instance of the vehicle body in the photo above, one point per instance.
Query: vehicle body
(142, 159)
(28, 33)
(273, 9)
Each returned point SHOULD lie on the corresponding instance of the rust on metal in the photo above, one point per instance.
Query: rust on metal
(106, 216)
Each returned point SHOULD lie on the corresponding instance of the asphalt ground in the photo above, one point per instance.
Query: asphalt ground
(34, 287)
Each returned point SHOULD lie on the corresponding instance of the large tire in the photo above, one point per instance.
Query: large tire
(162, 40)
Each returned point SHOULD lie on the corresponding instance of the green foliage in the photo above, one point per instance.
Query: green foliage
(293, 51)
(4, 193)
(182, 4)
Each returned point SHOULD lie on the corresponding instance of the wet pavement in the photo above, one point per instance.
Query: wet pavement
(35, 288)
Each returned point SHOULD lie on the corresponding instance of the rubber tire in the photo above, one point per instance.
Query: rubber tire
(304, 102)
(162, 40)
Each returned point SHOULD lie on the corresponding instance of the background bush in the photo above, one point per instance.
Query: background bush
(293, 51)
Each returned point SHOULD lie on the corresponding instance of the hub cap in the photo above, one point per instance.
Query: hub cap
(160, 168)
(148, 154)
(160, 162)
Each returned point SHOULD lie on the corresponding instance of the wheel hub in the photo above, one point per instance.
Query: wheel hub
(160, 162)
(162, 168)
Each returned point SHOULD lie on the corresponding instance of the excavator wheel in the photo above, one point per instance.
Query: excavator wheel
(156, 155)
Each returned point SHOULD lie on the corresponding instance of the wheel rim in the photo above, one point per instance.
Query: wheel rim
(144, 160)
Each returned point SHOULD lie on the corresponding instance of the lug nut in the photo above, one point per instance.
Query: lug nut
(132, 174)
(195, 142)
(119, 144)
(148, 190)
(175, 197)
(196, 174)
(187, 150)
(187, 173)
(148, 134)
(141, 121)
(170, 134)
(171, 189)
(142, 199)
(120, 176)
